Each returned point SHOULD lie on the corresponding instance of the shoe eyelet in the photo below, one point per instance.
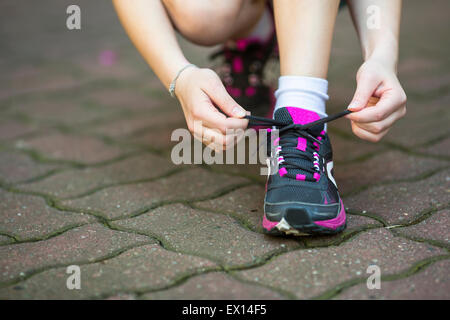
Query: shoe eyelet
(253, 80)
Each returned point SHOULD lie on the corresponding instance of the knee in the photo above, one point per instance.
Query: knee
(204, 22)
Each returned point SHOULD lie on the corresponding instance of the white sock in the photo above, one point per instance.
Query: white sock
(264, 28)
(303, 92)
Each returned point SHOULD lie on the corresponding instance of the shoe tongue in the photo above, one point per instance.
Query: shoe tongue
(299, 116)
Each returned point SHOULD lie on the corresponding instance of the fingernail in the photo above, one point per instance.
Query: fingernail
(238, 112)
(352, 106)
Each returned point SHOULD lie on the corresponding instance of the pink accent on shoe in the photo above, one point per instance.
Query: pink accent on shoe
(282, 172)
(300, 177)
(319, 138)
(335, 222)
(241, 44)
(267, 224)
(316, 145)
(275, 142)
(322, 132)
(238, 65)
(234, 92)
(302, 116)
(316, 176)
(301, 145)
(250, 91)
(325, 201)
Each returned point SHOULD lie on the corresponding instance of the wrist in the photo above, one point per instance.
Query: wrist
(173, 83)
(171, 70)
(384, 50)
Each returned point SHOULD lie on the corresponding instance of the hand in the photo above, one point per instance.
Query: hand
(199, 92)
(378, 102)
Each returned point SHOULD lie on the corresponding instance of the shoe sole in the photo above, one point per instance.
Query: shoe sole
(297, 222)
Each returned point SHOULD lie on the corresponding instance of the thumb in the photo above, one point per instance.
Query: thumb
(225, 102)
(364, 91)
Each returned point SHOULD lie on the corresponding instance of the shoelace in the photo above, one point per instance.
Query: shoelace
(289, 133)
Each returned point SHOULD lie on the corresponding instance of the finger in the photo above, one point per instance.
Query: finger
(216, 138)
(210, 116)
(366, 135)
(207, 140)
(365, 88)
(388, 104)
(214, 119)
(219, 95)
(380, 126)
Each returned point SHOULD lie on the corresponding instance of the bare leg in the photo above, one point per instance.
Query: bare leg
(211, 22)
(304, 31)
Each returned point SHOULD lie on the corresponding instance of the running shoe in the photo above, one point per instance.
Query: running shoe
(302, 196)
(241, 70)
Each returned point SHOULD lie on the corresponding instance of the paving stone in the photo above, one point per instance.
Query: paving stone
(17, 167)
(252, 171)
(310, 273)
(351, 150)
(422, 124)
(147, 267)
(401, 203)
(124, 200)
(159, 139)
(436, 227)
(426, 83)
(80, 245)
(97, 64)
(440, 148)
(5, 240)
(28, 78)
(127, 99)
(75, 182)
(83, 149)
(215, 286)
(245, 203)
(61, 110)
(28, 217)
(355, 224)
(388, 166)
(429, 284)
(206, 234)
(11, 129)
(134, 125)
(411, 66)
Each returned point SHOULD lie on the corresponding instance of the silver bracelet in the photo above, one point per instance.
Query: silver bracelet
(174, 81)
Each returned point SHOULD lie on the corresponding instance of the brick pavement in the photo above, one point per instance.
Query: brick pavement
(86, 178)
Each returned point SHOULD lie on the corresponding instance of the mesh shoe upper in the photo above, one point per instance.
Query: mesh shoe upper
(304, 160)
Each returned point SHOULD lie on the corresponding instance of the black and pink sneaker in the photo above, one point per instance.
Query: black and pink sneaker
(241, 70)
(302, 196)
